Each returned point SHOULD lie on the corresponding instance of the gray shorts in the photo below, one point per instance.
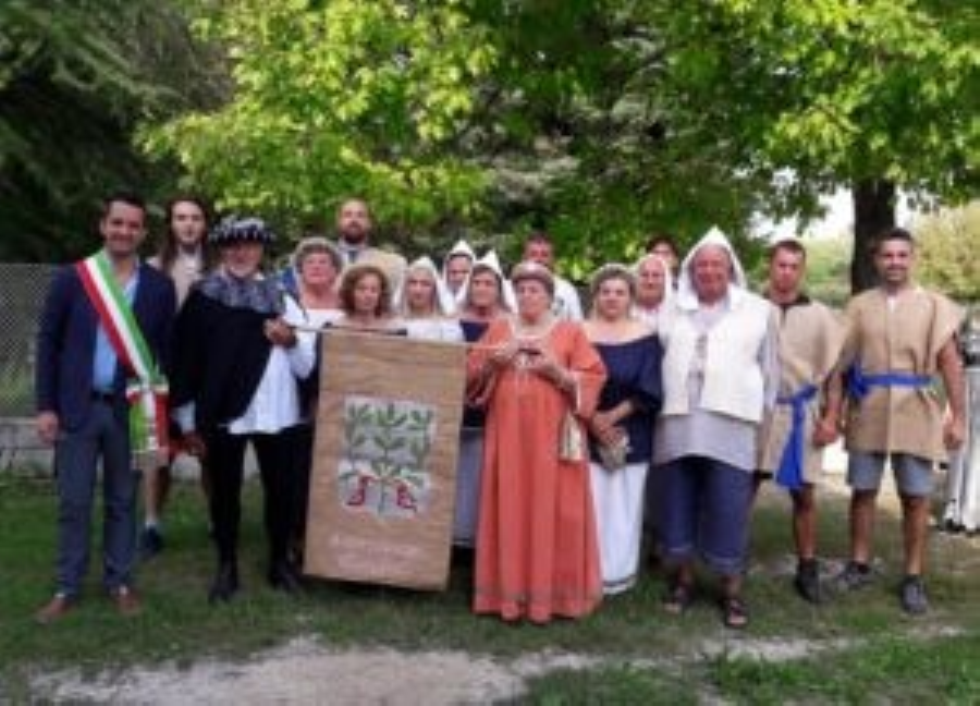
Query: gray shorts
(913, 474)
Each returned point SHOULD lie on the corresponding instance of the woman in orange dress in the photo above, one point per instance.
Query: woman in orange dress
(537, 553)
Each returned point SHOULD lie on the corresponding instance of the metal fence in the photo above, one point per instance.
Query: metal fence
(22, 290)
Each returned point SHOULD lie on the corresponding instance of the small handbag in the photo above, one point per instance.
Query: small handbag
(571, 441)
(613, 456)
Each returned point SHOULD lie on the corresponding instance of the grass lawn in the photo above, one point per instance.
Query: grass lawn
(857, 649)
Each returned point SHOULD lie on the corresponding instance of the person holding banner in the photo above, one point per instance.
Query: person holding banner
(537, 555)
(237, 361)
(804, 419)
(101, 396)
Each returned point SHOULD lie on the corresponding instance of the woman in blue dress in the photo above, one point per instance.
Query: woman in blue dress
(621, 431)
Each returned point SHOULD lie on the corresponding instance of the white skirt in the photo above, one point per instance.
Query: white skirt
(618, 499)
(963, 482)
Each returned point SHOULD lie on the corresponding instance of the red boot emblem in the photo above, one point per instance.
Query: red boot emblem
(405, 499)
(359, 496)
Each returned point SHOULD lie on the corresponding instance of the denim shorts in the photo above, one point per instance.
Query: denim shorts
(913, 474)
(705, 510)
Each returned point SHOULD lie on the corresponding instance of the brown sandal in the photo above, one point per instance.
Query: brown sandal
(679, 598)
(734, 613)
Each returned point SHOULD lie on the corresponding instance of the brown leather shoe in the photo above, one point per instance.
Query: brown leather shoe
(127, 601)
(56, 609)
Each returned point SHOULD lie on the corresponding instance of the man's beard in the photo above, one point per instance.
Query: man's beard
(354, 237)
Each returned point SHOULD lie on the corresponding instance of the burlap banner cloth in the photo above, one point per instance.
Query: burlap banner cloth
(383, 483)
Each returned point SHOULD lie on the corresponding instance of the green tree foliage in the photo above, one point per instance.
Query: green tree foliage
(948, 245)
(869, 95)
(827, 270)
(590, 146)
(488, 117)
(599, 121)
(75, 77)
(338, 98)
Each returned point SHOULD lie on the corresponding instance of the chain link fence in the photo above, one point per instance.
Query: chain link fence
(22, 291)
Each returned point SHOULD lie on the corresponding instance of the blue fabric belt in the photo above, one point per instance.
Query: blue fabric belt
(859, 383)
(790, 471)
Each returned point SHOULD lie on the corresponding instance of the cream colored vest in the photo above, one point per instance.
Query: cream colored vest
(733, 377)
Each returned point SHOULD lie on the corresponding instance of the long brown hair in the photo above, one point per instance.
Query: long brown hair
(167, 252)
(353, 275)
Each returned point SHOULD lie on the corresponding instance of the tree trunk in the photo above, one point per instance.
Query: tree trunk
(874, 213)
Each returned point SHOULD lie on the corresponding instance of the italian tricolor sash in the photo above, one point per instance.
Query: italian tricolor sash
(146, 388)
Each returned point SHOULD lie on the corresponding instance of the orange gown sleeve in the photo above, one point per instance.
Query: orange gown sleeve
(479, 381)
(589, 371)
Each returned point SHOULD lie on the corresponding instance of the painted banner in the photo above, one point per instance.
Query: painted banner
(383, 484)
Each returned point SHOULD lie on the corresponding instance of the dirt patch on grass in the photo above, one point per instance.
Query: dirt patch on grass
(305, 672)
(300, 672)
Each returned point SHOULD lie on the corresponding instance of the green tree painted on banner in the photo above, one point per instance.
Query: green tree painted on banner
(385, 455)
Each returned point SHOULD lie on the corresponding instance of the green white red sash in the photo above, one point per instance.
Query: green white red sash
(146, 388)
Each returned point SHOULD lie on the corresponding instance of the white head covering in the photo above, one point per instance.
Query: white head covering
(491, 262)
(687, 297)
(460, 248)
(444, 300)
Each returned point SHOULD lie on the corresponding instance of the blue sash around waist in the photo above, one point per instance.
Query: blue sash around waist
(859, 383)
(790, 471)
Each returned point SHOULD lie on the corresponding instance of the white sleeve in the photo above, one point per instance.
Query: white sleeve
(571, 304)
(184, 417)
(452, 331)
(302, 356)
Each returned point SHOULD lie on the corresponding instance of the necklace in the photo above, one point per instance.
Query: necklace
(533, 331)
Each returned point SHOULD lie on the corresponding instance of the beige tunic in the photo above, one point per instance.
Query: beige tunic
(904, 335)
(811, 336)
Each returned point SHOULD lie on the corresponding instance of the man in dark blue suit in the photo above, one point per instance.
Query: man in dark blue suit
(82, 408)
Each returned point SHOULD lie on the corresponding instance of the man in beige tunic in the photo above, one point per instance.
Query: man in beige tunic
(804, 420)
(900, 337)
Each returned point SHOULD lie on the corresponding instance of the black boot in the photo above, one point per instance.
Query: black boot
(807, 581)
(225, 584)
(284, 577)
